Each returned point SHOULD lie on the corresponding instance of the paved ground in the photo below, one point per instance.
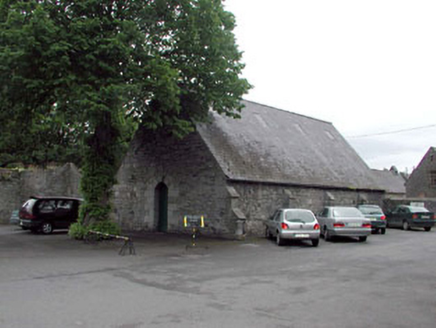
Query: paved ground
(52, 281)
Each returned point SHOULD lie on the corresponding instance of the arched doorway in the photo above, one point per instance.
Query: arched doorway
(161, 206)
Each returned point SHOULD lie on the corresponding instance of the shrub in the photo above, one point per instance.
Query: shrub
(78, 231)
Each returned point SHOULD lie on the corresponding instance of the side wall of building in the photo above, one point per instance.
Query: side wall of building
(259, 201)
(422, 182)
(196, 184)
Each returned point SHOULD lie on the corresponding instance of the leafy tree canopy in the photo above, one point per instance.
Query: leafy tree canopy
(86, 73)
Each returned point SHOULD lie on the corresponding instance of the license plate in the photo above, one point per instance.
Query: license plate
(372, 219)
(425, 217)
(354, 225)
(301, 235)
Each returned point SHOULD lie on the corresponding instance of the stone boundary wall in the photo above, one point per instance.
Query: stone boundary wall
(259, 201)
(10, 199)
(16, 186)
(390, 203)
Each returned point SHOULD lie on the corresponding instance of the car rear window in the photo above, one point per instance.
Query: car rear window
(415, 209)
(347, 212)
(27, 206)
(299, 216)
(370, 210)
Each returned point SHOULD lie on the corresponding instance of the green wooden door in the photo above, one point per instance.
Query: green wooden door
(162, 207)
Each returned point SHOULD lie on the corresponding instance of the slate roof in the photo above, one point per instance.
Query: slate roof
(276, 146)
(390, 181)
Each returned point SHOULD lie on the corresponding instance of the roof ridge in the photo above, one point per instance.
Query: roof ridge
(288, 112)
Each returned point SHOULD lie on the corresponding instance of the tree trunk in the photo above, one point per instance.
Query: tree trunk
(99, 171)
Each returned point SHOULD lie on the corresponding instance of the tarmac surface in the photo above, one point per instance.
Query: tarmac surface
(54, 281)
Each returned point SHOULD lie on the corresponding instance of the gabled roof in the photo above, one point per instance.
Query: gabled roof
(276, 146)
(428, 158)
(391, 181)
(430, 153)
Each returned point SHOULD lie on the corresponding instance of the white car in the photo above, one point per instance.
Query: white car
(293, 224)
(343, 221)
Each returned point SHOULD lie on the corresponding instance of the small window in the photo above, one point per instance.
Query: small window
(47, 206)
(261, 120)
(299, 128)
(433, 179)
(329, 135)
(329, 195)
(273, 216)
(277, 216)
(325, 213)
(65, 204)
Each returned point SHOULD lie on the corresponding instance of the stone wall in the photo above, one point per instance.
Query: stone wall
(16, 186)
(10, 187)
(390, 203)
(196, 184)
(421, 182)
(259, 201)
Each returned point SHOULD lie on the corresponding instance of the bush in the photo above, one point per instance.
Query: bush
(78, 231)
(106, 226)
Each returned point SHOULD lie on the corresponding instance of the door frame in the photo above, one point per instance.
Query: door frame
(161, 206)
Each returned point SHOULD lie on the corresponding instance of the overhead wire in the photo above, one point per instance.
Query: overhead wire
(391, 132)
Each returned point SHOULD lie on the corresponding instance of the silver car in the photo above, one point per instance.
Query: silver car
(293, 224)
(343, 221)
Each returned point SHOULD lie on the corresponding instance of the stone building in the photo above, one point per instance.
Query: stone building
(422, 181)
(237, 172)
(392, 181)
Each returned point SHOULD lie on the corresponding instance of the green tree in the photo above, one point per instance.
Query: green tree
(94, 70)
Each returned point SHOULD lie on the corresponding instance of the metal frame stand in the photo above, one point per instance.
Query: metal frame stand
(94, 236)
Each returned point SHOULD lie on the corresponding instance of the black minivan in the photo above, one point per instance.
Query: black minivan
(48, 213)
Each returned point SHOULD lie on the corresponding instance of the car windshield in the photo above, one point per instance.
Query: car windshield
(370, 210)
(415, 209)
(299, 216)
(346, 212)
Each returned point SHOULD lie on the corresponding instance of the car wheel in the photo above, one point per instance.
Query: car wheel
(427, 228)
(406, 225)
(383, 231)
(47, 228)
(279, 240)
(315, 242)
(362, 239)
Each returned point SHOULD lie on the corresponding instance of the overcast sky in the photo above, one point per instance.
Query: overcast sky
(367, 66)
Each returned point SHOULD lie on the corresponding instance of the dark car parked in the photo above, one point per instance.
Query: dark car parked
(406, 217)
(375, 214)
(48, 213)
